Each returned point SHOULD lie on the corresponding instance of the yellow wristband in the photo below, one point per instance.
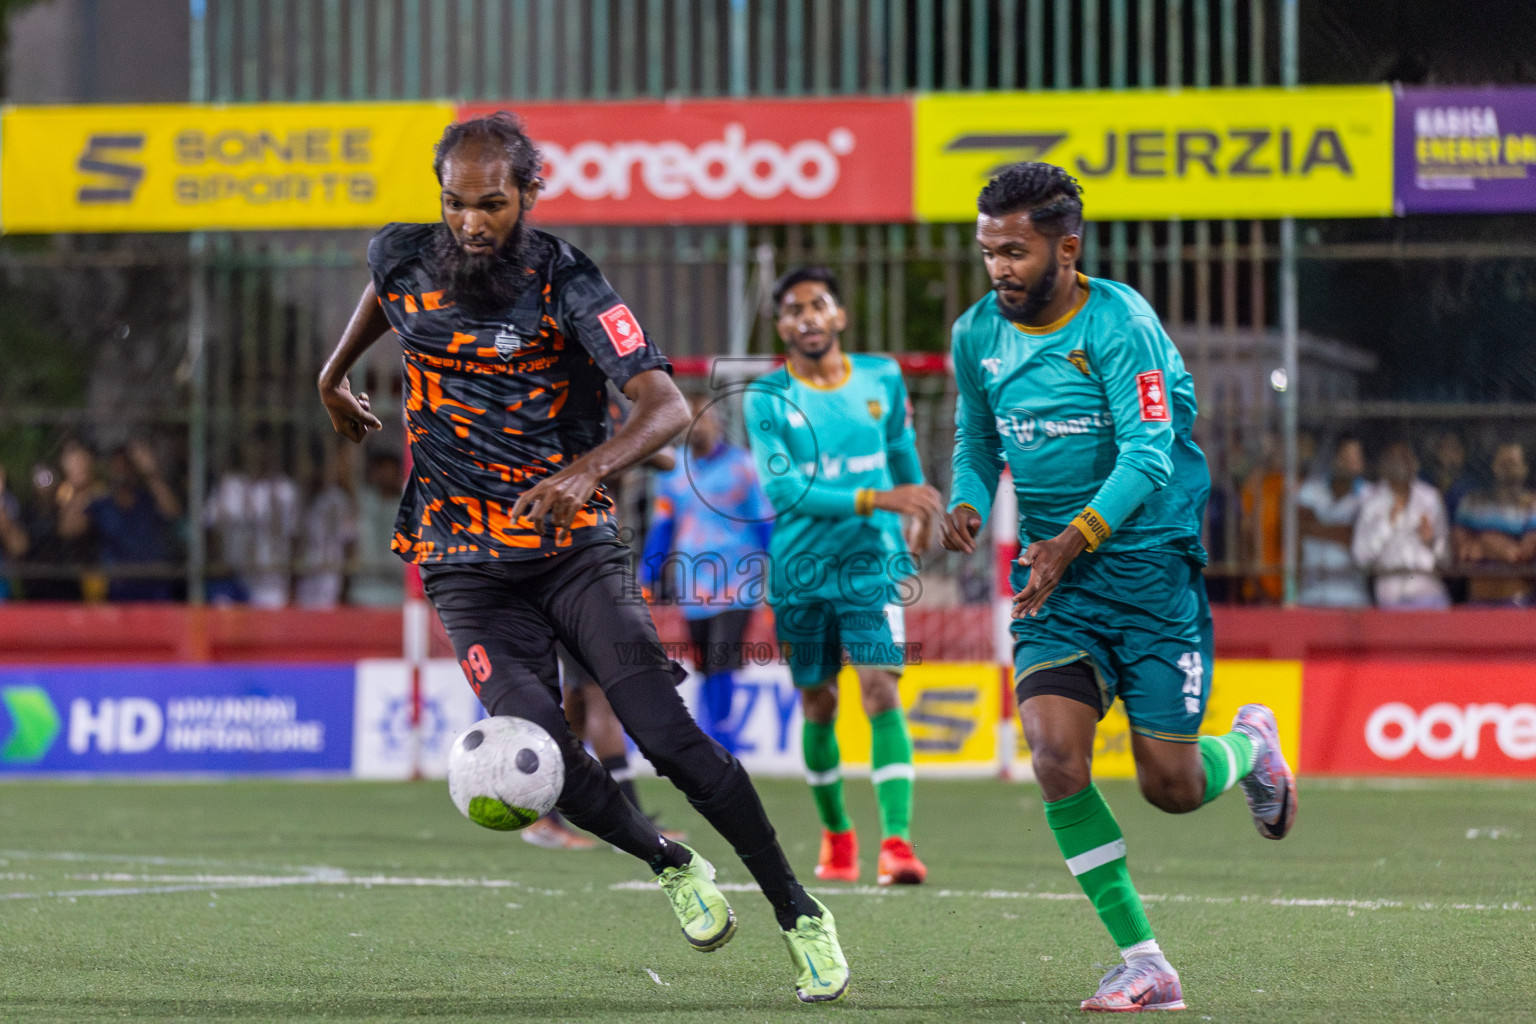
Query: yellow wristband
(864, 501)
(1093, 528)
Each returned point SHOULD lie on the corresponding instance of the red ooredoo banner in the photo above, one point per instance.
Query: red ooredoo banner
(1378, 717)
(715, 161)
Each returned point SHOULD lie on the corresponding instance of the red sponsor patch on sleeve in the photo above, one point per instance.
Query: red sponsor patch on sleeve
(1154, 397)
(623, 329)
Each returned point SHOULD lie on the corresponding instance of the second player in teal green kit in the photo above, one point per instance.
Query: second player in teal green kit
(836, 454)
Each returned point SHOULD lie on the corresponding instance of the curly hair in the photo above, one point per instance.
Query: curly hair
(499, 131)
(1053, 197)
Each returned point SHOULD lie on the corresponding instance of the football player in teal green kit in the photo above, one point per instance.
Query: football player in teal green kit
(1072, 381)
(837, 459)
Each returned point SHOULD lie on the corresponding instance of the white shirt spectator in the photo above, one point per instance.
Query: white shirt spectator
(1391, 546)
(257, 521)
(1329, 576)
(330, 529)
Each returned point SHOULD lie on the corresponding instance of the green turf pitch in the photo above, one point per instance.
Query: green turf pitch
(271, 901)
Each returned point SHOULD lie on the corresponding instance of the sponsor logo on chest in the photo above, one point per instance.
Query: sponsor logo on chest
(1028, 432)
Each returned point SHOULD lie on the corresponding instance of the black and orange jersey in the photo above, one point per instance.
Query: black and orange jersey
(495, 404)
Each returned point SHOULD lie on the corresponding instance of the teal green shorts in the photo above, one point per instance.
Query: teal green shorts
(818, 638)
(1142, 621)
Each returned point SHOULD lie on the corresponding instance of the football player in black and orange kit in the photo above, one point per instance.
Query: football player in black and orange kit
(508, 335)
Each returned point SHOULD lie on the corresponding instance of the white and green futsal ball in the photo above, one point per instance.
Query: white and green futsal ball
(505, 773)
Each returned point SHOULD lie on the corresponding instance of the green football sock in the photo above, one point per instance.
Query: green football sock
(1227, 759)
(818, 740)
(890, 763)
(1091, 840)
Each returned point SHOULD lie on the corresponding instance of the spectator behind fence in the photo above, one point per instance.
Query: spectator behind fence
(378, 579)
(13, 536)
(45, 578)
(329, 533)
(132, 524)
(1449, 474)
(1328, 507)
(255, 515)
(1497, 528)
(1401, 535)
(77, 545)
(1263, 515)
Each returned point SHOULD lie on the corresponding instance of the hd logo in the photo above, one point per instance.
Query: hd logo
(110, 180)
(33, 725)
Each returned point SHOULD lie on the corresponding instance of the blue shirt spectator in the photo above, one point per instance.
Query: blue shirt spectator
(1497, 528)
(132, 523)
(13, 535)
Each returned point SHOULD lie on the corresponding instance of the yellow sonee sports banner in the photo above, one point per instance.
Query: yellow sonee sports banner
(1313, 152)
(176, 167)
(952, 713)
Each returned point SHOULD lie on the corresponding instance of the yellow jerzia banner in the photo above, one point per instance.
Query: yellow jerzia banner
(180, 167)
(1313, 152)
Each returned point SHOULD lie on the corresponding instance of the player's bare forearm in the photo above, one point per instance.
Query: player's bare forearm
(659, 412)
(911, 500)
(349, 413)
(1047, 561)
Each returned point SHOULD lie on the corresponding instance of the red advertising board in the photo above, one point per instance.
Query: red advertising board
(713, 161)
(1368, 716)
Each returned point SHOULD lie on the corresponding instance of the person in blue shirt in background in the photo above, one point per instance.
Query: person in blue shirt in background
(707, 552)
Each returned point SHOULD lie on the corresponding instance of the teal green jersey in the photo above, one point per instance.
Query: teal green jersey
(817, 449)
(1092, 412)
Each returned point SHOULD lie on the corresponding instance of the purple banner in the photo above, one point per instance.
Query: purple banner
(1465, 150)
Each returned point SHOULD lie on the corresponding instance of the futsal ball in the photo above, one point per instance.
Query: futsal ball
(505, 773)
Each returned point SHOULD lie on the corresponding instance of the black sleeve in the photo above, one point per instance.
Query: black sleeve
(392, 247)
(588, 310)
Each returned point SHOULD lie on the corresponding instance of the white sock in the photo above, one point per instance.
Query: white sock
(1148, 948)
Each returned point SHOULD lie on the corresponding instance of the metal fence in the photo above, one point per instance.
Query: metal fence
(112, 315)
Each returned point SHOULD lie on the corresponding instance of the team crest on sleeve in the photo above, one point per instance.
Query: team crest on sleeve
(1079, 358)
(1154, 397)
(623, 329)
(876, 410)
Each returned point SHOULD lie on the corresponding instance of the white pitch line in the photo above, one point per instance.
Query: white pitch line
(1006, 894)
(195, 883)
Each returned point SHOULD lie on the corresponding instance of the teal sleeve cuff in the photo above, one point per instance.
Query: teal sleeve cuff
(819, 500)
(906, 468)
(1122, 494)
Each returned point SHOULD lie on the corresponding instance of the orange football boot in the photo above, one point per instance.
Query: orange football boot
(839, 861)
(898, 864)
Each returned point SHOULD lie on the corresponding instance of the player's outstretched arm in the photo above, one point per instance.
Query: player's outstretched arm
(659, 412)
(349, 413)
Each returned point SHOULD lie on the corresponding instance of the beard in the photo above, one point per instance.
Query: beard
(1036, 298)
(810, 351)
(484, 284)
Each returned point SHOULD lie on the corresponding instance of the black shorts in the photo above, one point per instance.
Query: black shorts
(717, 640)
(505, 617)
(1075, 679)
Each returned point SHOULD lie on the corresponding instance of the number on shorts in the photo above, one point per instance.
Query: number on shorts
(477, 666)
(1194, 672)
